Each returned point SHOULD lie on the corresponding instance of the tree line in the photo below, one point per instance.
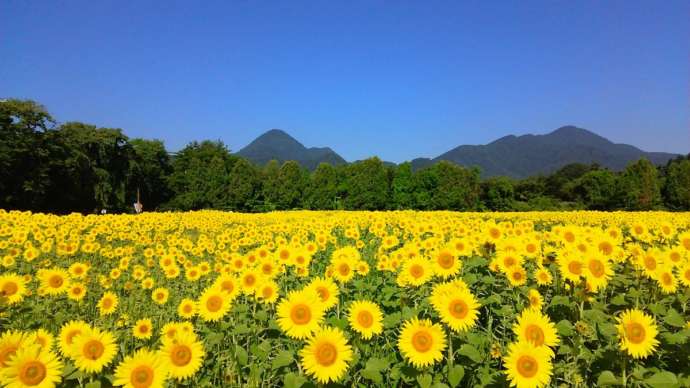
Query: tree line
(77, 167)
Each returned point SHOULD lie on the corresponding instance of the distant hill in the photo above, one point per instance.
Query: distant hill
(277, 144)
(512, 156)
(527, 155)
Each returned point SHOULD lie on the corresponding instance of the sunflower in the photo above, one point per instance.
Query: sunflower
(326, 355)
(637, 332)
(456, 305)
(249, 280)
(535, 299)
(365, 318)
(343, 268)
(108, 303)
(517, 276)
(684, 274)
(535, 327)
(597, 272)
(667, 282)
(213, 304)
(12, 288)
(53, 281)
(76, 292)
(446, 264)
(267, 292)
(228, 284)
(186, 308)
(417, 271)
(142, 370)
(571, 267)
(528, 365)
(32, 367)
(327, 290)
(10, 342)
(93, 350)
(543, 276)
(143, 329)
(43, 338)
(183, 354)
(160, 295)
(68, 334)
(422, 342)
(300, 313)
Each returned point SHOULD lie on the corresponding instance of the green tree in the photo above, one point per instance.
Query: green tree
(322, 189)
(403, 187)
(498, 194)
(291, 182)
(200, 176)
(596, 190)
(244, 186)
(270, 191)
(366, 185)
(24, 154)
(149, 171)
(457, 188)
(677, 185)
(639, 186)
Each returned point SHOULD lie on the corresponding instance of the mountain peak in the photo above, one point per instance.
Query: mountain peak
(279, 145)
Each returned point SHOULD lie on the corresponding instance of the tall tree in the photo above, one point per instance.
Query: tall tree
(322, 190)
(498, 194)
(291, 181)
(596, 190)
(639, 186)
(366, 185)
(244, 186)
(149, 171)
(677, 184)
(402, 187)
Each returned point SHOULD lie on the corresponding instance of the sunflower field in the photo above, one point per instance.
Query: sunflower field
(304, 299)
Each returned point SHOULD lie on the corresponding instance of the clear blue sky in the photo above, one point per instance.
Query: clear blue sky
(398, 79)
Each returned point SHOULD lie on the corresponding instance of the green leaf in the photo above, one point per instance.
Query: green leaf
(241, 329)
(455, 375)
(377, 364)
(292, 380)
(470, 352)
(619, 300)
(241, 355)
(283, 358)
(608, 378)
(565, 328)
(560, 300)
(93, 384)
(674, 318)
(372, 375)
(261, 315)
(662, 380)
(391, 320)
(424, 380)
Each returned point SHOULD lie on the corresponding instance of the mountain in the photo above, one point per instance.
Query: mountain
(527, 155)
(277, 144)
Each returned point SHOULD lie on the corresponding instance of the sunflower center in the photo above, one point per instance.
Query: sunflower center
(509, 261)
(417, 271)
(667, 279)
(535, 335)
(569, 236)
(142, 376)
(93, 350)
(575, 267)
(422, 341)
(284, 254)
(266, 269)
(32, 373)
(107, 303)
(267, 292)
(606, 248)
(187, 309)
(527, 366)
(596, 268)
(300, 314)
(56, 281)
(445, 260)
(10, 288)
(143, 329)
(326, 354)
(5, 354)
(458, 309)
(323, 293)
(227, 286)
(650, 263)
(249, 280)
(214, 303)
(181, 355)
(517, 275)
(344, 269)
(635, 332)
(365, 319)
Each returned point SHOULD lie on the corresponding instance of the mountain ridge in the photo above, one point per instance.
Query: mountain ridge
(513, 156)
